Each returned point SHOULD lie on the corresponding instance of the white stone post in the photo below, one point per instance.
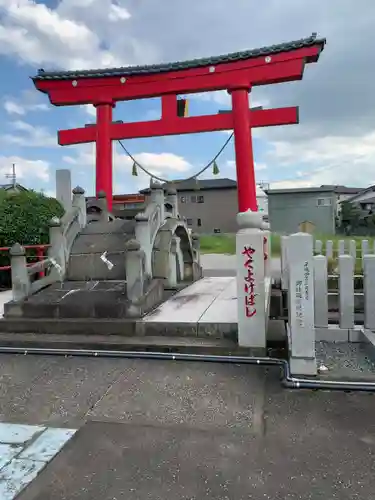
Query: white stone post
(64, 188)
(57, 250)
(284, 262)
(364, 250)
(195, 242)
(143, 236)
(134, 270)
(320, 292)
(341, 249)
(301, 330)
(250, 281)
(20, 276)
(173, 200)
(329, 249)
(180, 257)
(157, 196)
(346, 291)
(369, 291)
(172, 264)
(353, 248)
(318, 247)
(79, 201)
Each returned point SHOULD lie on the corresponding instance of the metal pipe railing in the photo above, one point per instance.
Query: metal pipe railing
(288, 381)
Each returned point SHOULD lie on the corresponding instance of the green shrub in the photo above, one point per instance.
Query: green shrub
(24, 218)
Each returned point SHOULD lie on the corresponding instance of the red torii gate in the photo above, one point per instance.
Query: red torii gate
(237, 73)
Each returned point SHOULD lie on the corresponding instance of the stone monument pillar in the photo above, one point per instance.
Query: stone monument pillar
(251, 299)
(64, 188)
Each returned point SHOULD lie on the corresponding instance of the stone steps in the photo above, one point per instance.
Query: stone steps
(81, 299)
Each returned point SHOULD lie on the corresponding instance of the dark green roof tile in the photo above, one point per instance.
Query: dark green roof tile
(194, 63)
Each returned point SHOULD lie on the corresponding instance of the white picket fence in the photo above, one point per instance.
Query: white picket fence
(333, 249)
(312, 290)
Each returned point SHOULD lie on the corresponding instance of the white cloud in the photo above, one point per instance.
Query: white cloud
(90, 110)
(257, 166)
(27, 171)
(328, 160)
(39, 35)
(154, 162)
(117, 13)
(26, 103)
(164, 165)
(12, 107)
(29, 136)
(222, 98)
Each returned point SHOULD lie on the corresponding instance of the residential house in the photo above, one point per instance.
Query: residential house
(211, 205)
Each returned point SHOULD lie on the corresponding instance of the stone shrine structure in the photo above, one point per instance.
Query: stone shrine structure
(102, 267)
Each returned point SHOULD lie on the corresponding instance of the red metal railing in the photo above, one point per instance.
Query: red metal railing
(40, 254)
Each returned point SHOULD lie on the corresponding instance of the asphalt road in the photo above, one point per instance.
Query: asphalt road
(189, 430)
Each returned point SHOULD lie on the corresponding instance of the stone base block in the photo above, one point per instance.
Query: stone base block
(303, 366)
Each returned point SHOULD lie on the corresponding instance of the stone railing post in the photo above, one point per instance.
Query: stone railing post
(135, 278)
(57, 249)
(157, 196)
(103, 205)
(196, 244)
(172, 264)
(250, 281)
(301, 328)
(369, 291)
(143, 236)
(284, 262)
(173, 200)
(346, 291)
(79, 201)
(180, 258)
(20, 276)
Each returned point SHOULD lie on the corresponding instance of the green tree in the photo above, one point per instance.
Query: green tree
(350, 216)
(24, 218)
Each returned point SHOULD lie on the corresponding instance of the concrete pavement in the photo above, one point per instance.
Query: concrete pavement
(225, 265)
(166, 430)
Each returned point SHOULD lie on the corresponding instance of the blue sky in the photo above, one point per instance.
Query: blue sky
(335, 142)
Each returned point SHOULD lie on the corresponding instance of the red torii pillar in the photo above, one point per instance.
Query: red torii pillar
(104, 150)
(246, 185)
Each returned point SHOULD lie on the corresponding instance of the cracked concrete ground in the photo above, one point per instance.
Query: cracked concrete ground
(189, 430)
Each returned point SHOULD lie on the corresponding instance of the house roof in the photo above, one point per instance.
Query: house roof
(322, 189)
(200, 185)
(325, 188)
(361, 192)
(9, 186)
(183, 65)
(343, 189)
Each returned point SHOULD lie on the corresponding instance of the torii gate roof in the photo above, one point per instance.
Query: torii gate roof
(185, 65)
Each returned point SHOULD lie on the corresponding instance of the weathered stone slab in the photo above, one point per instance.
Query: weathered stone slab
(188, 305)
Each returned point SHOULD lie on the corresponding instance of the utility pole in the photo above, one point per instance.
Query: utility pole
(12, 176)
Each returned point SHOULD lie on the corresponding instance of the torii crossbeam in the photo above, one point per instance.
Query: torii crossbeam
(237, 73)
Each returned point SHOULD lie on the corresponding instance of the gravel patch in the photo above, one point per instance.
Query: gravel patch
(345, 360)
